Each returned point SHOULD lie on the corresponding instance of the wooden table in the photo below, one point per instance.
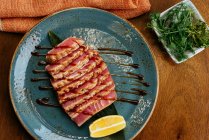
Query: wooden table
(182, 110)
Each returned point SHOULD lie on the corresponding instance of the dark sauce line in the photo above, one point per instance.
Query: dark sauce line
(39, 71)
(131, 65)
(39, 79)
(116, 50)
(142, 92)
(45, 87)
(130, 92)
(45, 102)
(146, 84)
(135, 102)
(141, 77)
(43, 47)
(116, 53)
(35, 53)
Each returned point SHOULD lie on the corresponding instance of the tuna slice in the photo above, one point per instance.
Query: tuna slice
(79, 75)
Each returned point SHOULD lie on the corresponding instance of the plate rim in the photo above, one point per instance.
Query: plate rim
(69, 9)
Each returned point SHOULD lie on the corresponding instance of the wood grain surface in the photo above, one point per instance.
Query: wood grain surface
(182, 110)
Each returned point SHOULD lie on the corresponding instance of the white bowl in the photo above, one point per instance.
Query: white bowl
(198, 16)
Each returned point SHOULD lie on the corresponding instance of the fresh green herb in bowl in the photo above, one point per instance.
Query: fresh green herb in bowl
(182, 31)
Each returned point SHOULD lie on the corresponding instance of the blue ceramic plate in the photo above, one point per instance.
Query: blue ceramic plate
(99, 29)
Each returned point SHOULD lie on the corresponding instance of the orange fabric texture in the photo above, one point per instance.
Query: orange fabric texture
(21, 15)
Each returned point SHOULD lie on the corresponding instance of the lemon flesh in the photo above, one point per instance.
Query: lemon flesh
(106, 126)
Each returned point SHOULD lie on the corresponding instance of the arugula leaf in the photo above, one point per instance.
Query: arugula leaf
(180, 30)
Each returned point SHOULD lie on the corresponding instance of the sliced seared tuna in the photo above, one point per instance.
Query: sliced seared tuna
(79, 75)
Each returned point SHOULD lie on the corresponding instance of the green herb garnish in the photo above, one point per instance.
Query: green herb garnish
(53, 38)
(180, 31)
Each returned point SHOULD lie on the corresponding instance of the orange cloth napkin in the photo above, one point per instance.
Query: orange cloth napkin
(21, 15)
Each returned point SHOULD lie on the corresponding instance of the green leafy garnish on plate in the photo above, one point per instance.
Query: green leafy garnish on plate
(53, 38)
(180, 31)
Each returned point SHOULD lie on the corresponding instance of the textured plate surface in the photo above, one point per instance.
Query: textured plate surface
(99, 29)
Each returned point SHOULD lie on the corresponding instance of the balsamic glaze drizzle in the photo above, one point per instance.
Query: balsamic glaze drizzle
(146, 84)
(35, 53)
(129, 53)
(142, 92)
(45, 102)
(39, 71)
(131, 65)
(45, 87)
(135, 102)
(141, 77)
(43, 47)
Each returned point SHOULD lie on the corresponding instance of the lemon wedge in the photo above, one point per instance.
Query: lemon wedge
(106, 126)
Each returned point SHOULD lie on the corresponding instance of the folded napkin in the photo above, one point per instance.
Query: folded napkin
(21, 15)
